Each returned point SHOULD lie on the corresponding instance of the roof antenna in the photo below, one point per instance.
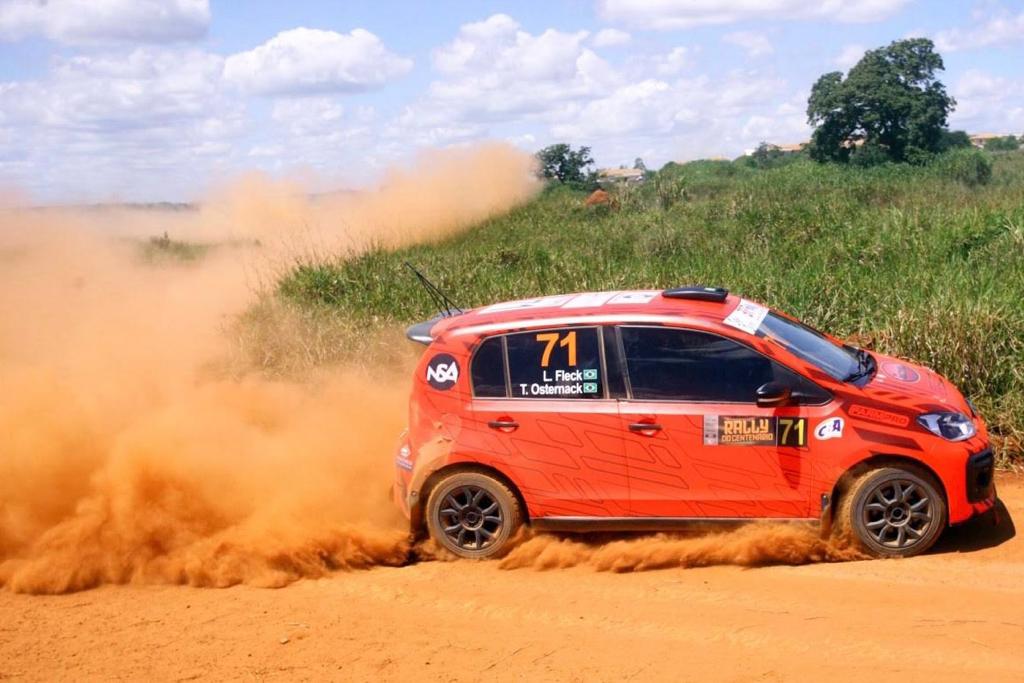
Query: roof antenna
(440, 299)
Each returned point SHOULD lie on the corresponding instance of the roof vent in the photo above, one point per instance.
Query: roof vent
(697, 292)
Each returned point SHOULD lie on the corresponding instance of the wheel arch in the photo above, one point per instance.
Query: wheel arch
(880, 460)
(416, 512)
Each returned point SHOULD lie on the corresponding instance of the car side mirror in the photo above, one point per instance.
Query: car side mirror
(773, 395)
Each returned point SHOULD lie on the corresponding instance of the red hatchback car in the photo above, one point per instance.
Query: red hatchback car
(648, 410)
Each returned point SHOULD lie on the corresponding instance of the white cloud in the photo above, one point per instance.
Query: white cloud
(610, 37)
(497, 44)
(987, 103)
(681, 14)
(305, 61)
(120, 121)
(849, 55)
(754, 42)
(105, 21)
(633, 108)
(672, 63)
(497, 80)
(1001, 30)
(494, 70)
(689, 117)
(108, 92)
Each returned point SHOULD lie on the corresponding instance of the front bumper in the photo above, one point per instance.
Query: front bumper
(981, 484)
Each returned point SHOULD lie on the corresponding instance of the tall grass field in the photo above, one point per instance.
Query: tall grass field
(926, 262)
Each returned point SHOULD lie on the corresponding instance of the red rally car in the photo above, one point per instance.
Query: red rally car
(649, 410)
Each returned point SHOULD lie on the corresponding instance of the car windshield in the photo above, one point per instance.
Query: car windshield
(812, 346)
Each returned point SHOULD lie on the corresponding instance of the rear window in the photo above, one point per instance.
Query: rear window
(488, 370)
(559, 363)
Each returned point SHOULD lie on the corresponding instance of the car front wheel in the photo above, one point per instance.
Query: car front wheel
(893, 511)
(473, 515)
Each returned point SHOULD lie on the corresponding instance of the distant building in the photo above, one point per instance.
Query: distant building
(979, 139)
(613, 176)
(786, 148)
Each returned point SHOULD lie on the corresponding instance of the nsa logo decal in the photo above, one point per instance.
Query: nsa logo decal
(443, 372)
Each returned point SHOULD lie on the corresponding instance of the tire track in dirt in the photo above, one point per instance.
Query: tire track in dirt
(950, 615)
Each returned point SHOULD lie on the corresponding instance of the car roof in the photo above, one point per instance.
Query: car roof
(646, 305)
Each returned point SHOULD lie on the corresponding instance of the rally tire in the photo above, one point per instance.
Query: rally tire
(893, 512)
(473, 515)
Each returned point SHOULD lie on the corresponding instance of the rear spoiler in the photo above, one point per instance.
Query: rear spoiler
(420, 332)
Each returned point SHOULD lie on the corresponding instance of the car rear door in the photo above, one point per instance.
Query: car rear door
(555, 429)
(696, 443)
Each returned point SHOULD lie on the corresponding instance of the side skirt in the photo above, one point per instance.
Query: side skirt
(587, 524)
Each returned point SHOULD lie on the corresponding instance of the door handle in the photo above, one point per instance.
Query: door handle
(503, 425)
(645, 428)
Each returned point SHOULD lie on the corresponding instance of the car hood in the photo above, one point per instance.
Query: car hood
(899, 381)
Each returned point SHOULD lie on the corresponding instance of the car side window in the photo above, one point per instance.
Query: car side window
(665, 363)
(488, 369)
(557, 363)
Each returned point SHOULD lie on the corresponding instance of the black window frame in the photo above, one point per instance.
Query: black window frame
(629, 386)
(602, 330)
(504, 360)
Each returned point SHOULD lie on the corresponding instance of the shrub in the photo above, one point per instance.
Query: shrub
(971, 167)
(1008, 143)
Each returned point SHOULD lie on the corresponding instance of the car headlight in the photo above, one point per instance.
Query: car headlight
(950, 426)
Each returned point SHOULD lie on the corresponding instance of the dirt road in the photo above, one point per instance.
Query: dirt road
(954, 614)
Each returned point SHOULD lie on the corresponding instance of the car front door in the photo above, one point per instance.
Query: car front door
(697, 445)
(553, 425)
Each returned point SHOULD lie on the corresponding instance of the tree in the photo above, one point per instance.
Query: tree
(890, 100)
(1009, 143)
(954, 139)
(640, 165)
(563, 163)
(766, 155)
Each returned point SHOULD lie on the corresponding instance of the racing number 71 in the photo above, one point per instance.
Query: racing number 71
(792, 431)
(569, 341)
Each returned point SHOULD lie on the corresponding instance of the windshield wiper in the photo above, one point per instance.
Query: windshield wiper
(866, 365)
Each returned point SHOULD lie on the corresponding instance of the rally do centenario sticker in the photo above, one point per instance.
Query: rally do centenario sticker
(443, 372)
(752, 430)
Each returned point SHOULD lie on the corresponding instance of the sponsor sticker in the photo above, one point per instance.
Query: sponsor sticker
(571, 301)
(747, 316)
(900, 372)
(528, 304)
(754, 430)
(831, 428)
(877, 415)
(634, 298)
(710, 430)
(442, 372)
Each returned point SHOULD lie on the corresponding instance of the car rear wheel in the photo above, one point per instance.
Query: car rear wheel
(893, 511)
(473, 515)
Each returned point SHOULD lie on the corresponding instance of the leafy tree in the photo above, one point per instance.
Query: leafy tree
(954, 139)
(640, 165)
(561, 162)
(890, 98)
(766, 155)
(1009, 143)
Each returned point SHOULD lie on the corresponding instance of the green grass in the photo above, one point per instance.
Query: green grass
(921, 262)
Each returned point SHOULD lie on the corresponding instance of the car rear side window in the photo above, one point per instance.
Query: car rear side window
(488, 370)
(667, 363)
(558, 363)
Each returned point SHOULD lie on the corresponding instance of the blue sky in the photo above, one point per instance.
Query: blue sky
(148, 100)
